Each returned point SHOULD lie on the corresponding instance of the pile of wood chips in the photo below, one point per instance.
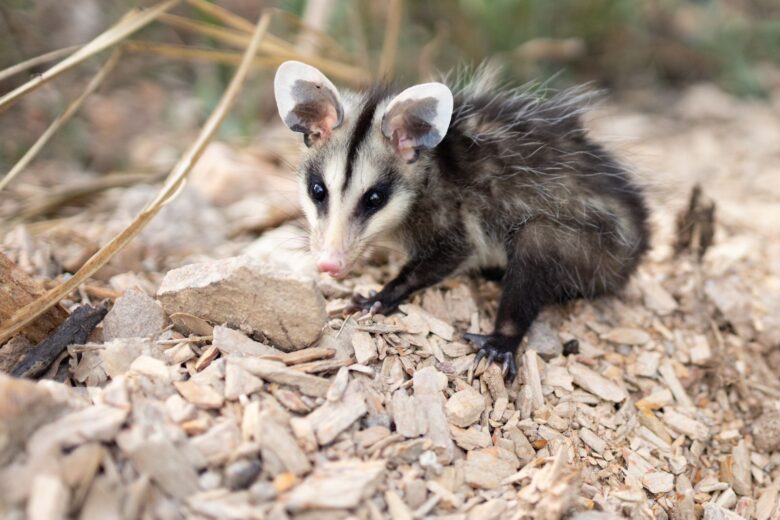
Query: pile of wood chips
(669, 407)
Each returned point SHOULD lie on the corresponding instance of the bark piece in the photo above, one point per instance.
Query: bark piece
(74, 330)
(17, 289)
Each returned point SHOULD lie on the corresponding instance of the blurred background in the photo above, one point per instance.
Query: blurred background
(624, 46)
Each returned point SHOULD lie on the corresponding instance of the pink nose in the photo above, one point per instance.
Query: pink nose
(332, 263)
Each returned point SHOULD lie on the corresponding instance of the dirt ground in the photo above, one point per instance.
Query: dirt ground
(668, 409)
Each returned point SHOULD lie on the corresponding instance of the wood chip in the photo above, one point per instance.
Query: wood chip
(428, 384)
(408, 422)
(337, 485)
(238, 381)
(533, 378)
(627, 336)
(332, 418)
(486, 468)
(279, 373)
(685, 425)
(658, 482)
(276, 439)
(365, 348)
(202, 396)
(596, 383)
(595, 442)
(230, 341)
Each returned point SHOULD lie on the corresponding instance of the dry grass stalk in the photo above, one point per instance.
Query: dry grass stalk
(37, 60)
(127, 25)
(184, 52)
(325, 41)
(390, 44)
(60, 196)
(271, 45)
(63, 118)
(172, 185)
(228, 18)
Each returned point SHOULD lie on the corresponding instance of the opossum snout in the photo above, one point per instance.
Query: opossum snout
(332, 262)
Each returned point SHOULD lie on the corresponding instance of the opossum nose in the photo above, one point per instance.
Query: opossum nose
(332, 263)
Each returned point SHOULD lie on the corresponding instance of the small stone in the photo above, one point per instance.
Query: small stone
(544, 340)
(766, 432)
(241, 291)
(134, 315)
(626, 336)
(465, 407)
(241, 474)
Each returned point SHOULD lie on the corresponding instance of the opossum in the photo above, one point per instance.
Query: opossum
(480, 178)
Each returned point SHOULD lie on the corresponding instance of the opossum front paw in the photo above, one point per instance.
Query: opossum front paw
(371, 304)
(496, 348)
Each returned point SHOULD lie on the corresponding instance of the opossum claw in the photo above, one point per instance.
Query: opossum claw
(491, 350)
(509, 368)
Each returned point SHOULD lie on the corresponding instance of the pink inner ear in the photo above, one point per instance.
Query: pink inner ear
(402, 143)
(324, 127)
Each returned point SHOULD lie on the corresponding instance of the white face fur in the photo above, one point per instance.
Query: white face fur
(358, 175)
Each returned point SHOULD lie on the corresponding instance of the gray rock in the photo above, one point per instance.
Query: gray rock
(544, 340)
(245, 293)
(766, 432)
(134, 315)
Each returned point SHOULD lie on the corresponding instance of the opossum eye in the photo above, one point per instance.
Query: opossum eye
(375, 199)
(317, 191)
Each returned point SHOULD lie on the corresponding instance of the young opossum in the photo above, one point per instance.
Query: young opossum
(482, 179)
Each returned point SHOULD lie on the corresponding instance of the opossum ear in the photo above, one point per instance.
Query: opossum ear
(418, 118)
(307, 101)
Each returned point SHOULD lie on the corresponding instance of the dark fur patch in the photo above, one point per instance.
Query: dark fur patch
(362, 128)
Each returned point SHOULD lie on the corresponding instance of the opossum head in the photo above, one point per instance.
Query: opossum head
(366, 161)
